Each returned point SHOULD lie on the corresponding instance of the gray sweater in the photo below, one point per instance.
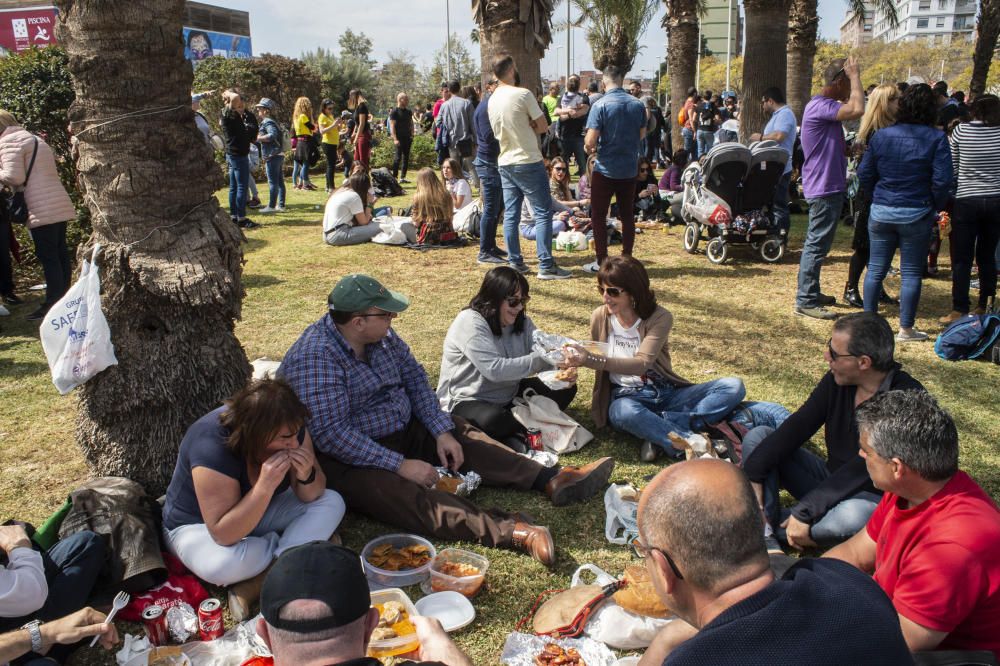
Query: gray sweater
(476, 365)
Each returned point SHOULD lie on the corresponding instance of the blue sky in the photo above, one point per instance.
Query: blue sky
(418, 26)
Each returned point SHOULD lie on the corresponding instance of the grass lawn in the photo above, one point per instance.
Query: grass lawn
(734, 319)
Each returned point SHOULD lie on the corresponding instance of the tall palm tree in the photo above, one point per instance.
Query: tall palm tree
(987, 31)
(614, 28)
(522, 28)
(681, 23)
(764, 59)
(171, 263)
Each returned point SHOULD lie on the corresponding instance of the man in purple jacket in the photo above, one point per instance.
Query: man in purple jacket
(824, 176)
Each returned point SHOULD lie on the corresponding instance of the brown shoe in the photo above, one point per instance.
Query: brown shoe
(952, 316)
(244, 595)
(536, 541)
(335, 539)
(573, 484)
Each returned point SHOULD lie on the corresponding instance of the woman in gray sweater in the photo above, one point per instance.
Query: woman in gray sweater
(488, 361)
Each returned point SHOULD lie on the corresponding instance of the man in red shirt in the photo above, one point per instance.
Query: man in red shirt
(934, 540)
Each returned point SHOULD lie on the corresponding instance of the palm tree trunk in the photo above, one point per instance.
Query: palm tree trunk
(171, 263)
(681, 23)
(988, 29)
(523, 29)
(802, 25)
(764, 60)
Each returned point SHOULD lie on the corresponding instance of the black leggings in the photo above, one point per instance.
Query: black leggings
(330, 153)
(497, 420)
(859, 260)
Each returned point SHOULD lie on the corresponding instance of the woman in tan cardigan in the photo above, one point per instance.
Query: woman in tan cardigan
(49, 206)
(635, 387)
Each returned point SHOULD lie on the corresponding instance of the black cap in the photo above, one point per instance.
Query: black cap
(320, 571)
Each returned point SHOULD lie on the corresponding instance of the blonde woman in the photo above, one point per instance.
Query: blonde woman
(49, 209)
(303, 126)
(883, 102)
(432, 209)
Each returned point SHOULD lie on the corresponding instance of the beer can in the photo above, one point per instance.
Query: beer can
(156, 625)
(535, 439)
(210, 624)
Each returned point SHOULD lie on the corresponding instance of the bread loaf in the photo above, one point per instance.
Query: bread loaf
(639, 596)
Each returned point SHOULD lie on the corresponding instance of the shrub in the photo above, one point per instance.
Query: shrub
(421, 154)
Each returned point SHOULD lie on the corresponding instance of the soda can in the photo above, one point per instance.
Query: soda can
(156, 625)
(210, 624)
(535, 439)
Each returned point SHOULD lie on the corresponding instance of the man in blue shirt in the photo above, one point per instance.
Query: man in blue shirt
(615, 129)
(782, 128)
(490, 186)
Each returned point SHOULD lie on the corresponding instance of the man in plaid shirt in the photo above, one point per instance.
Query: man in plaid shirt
(379, 430)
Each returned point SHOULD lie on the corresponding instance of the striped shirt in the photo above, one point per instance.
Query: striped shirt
(975, 155)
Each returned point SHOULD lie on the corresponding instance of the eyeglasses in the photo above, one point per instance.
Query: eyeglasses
(384, 315)
(642, 551)
(614, 292)
(514, 301)
(834, 355)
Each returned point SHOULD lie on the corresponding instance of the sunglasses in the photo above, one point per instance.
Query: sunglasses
(559, 169)
(834, 355)
(384, 315)
(514, 301)
(643, 169)
(643, 551)
(614, 292)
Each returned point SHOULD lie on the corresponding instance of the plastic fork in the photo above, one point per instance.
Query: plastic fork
(121, 600)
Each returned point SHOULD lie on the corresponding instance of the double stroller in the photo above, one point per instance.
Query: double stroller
(728, 199)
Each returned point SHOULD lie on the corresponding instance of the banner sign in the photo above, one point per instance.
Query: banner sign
(201, 44)
(21, 29)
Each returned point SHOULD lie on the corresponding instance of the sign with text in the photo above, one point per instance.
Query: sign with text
(201, 44)
(21, 29)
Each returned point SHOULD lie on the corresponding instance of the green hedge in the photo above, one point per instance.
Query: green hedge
(421, 154)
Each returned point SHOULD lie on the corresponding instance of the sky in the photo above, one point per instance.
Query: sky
(289, 27)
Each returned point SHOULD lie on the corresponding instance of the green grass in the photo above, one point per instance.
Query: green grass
(728, 320)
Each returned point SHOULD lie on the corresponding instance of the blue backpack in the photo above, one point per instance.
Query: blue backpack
(969, 337)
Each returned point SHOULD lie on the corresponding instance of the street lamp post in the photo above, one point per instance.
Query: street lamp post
(569, 37)
(558, 49)
(729, 37)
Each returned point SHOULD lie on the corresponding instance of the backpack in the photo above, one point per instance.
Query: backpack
(969, 337)
(284, 137)
(385, 185)
(706, 116)
(466, 220)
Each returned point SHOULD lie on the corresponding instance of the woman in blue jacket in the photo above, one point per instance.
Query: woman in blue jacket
(908, 170)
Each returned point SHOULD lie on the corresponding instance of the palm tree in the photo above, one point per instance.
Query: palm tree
(681, 23)
(764, 59)
(614, 28)
(522, 28)
(171, 264)
(987, 31)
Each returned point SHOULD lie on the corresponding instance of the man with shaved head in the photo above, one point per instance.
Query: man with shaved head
(701, 537)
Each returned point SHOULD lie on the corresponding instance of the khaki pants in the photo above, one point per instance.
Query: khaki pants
(389, 498)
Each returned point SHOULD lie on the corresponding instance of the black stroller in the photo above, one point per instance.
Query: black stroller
(728, 199)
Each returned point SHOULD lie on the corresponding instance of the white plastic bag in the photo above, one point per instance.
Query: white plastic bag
(466, 220)
(75, 334)
(395, 230)
(613, 625)
(708, 208)
(571, 241)
(620, 523)
(560, 433)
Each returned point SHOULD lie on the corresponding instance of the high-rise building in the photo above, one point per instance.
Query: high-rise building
(856, 31)
(937, 21)
(715, 28)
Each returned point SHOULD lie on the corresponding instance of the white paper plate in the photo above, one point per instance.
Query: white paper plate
(452, 609)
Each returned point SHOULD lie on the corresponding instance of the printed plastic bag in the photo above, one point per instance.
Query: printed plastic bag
(75, 334)
(560, 433)
(621, 502)
(613, 625)
(709, 209)
(571, 241)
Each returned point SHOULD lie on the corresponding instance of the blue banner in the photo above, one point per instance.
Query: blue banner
(201, 44)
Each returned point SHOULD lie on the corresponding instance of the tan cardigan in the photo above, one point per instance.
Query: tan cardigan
(653, 355)
(45, 195)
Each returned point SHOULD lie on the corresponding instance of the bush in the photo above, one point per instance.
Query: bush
(421, 154)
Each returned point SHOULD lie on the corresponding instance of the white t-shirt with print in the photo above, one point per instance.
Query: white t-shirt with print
(624, 343)
(460, 187)
(341, 209)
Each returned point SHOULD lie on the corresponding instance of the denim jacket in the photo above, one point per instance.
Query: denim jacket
(908, 166)
(272, 147)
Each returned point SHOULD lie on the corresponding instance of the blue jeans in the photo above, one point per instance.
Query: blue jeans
(689, 143)
(782, 218)
(759, 413)
(573, 145)
(300, 172)
(823, 215)
(913, 242)
(799, 474)
(275, 180)
(529, 232)
(491, 190)
(653, 410)
(705, 141)
(239, 174)
(520, 181)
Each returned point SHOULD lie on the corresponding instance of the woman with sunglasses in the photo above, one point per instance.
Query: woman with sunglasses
(647, 192)
(559, 186)
(635, 387)
(488, 360)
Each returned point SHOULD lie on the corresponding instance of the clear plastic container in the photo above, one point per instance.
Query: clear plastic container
(465, 585)
(391, 647)
(385, 578)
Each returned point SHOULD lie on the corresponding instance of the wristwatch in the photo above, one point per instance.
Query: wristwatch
(36, 635)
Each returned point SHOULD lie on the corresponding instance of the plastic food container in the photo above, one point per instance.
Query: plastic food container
(595, 347)
(466, 585)
(384, 578)
(391, 647)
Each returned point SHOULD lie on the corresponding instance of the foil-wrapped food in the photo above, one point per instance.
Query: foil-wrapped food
(457, 483)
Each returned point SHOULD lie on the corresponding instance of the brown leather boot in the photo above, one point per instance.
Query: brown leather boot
(335, 539)
(536, 541)
(573, 484)
(244, 595)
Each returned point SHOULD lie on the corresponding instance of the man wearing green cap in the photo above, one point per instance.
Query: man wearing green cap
(380, 431)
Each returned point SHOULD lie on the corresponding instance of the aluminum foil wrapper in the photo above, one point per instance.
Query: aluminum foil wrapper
(470, 480)
(520, 649)
(182, 622)
(550, 345)
(543, 458)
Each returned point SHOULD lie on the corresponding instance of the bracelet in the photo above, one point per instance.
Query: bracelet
(309, 479)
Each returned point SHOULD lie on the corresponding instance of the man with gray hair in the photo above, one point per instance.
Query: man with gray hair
(933, 543)
(701, 542)
(317, 611)
(835, 497)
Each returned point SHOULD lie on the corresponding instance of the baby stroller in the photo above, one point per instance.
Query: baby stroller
(728, 198)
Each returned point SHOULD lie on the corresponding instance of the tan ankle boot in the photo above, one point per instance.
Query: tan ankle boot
(244, 595)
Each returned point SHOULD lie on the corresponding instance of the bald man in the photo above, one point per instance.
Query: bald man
(700, 534)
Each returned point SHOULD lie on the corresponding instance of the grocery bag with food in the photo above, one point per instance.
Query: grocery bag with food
(560, 433)
(527, 650)
(634, 614)
(621, 503)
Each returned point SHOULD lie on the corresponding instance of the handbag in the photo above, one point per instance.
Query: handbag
(17, 206)
(560, 433)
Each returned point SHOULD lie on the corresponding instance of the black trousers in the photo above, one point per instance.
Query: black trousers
(497, 420)
(330, 152)
(975, 231)
(6, 267)
(401, 160)
(52, 253)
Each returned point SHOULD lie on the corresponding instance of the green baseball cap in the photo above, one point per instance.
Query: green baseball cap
(357, 292)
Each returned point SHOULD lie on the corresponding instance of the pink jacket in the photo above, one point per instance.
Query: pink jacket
(45, 195)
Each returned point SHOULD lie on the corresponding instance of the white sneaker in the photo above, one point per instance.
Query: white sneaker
(4, 312)
(280, 209)
(266, 209)
(591, 268)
